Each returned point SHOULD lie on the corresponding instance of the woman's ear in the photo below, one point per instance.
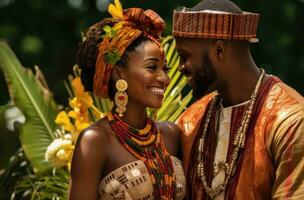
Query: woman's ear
(117, 73)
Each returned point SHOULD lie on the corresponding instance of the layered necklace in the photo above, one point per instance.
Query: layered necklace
(238, 143)
(147, 145)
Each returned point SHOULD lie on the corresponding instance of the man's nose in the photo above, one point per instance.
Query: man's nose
(181, 68)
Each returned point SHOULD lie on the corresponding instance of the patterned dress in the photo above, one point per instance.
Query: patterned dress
(132, 181)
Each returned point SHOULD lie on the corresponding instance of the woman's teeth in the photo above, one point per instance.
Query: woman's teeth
(156, 90)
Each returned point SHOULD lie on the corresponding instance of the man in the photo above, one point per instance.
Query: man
(244, 138)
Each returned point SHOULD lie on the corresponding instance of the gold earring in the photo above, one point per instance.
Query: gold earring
(121, 97)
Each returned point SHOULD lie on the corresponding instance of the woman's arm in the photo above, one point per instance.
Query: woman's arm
(88, 162)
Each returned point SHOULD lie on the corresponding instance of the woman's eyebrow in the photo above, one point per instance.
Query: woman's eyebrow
(151, 58)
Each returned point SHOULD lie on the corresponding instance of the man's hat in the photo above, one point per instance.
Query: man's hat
(210, 24)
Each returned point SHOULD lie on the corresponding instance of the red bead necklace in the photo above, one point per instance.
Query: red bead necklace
(147, 145)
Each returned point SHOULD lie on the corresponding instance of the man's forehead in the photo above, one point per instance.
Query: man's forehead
(186, 42)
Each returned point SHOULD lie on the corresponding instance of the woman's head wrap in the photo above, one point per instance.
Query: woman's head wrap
(130, 24)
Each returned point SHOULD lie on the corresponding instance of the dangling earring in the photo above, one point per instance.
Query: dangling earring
(121, 97)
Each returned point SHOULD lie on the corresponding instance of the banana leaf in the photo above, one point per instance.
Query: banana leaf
(174, 94)
(180, 108)
(174, 103)
(32, 97)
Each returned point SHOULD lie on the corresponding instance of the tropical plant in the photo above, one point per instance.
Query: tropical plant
(31, 96)
(174, 103)
(37, 179)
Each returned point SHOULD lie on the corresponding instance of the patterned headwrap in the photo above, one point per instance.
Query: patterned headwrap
(131, 23)
(209, 24)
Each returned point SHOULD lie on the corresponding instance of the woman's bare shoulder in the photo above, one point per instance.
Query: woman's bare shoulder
(97, 132)
(171, 136)
(169, 129)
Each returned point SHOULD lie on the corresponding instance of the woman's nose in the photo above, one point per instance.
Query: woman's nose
(163, 78)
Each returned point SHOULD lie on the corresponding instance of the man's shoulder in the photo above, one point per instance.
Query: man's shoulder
(284, 102)
(189, 120)
(197, 107)
(285, 96)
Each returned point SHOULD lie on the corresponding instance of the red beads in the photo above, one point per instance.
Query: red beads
(121, 98)
(148, 146)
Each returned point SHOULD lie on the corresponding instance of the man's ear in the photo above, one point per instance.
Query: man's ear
(218, 50)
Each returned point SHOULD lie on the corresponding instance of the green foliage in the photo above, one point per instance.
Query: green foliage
(47, 186)
(3, 109)
(110, 32)
(19, 181)
(9, 140)
(103, 104)
(174, 103)
(35, 102)
(17, 168)
(112, 57)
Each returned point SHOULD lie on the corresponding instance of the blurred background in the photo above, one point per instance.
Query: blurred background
(46, 33)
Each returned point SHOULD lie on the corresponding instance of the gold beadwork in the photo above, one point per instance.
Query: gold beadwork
(144, 143)
(121, 85)
(146, 130)
(238, 142)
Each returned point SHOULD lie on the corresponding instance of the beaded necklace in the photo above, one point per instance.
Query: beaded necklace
(238, 143)
(147, 145)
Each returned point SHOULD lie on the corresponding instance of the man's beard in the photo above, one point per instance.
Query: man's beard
(204, 79)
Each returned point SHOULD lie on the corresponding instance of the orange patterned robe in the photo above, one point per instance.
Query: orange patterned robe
(271, 166)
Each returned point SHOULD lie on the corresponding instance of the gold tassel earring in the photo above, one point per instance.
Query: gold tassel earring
(121, 97)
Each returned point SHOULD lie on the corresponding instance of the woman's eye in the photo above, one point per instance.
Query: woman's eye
(152, 67)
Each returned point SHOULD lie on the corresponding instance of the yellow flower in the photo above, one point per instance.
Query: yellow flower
(64, 120)
(79, 127)
(60, 151)
(116, 10)
(80, 94)
(97, 113)
(79, 114)
(80, 111)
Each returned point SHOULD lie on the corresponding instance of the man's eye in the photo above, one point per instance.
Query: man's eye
(182, 58)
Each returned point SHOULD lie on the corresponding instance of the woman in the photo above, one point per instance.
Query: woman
(127, 155)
